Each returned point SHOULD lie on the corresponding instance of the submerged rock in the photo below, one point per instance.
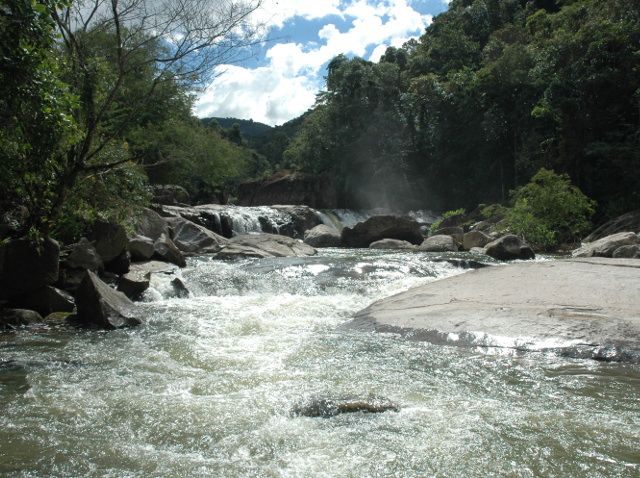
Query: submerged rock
(265, 245)
(327, 405)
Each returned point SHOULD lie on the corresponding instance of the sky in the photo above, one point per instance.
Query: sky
(281, 80)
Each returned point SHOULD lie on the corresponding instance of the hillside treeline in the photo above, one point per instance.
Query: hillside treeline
(492, 92)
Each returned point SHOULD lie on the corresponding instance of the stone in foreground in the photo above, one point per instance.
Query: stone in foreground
(101, 306)
(264, 245)
(586, 308)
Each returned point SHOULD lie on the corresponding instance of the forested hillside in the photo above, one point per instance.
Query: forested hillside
(493, 91)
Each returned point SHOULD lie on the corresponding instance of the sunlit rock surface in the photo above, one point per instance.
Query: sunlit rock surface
(580, 307)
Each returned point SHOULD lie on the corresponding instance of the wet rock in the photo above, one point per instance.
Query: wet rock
(109, 239)
(180, 290)
(192, 238)
(509, 248)
(439, 244)
(101, 306)
(133, 284)
(141, 248)
(83, 256)
(394, 244)
(12, 318)
(45, 301)
(606, 246)
(25, 267)
(264, 245)
(376, 228)
(166, 250)
(327, 406)
(323, 236)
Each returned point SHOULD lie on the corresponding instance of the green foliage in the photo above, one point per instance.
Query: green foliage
(549, 211)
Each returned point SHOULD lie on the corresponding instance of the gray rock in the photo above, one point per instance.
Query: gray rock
(148, 223)
(12, 318)
(25, 267)
(582, 307)
(83, 256)
(509, 248)
(171, 194)
(133, 284)
(120, 265)
(265, 245)
(192, 238)
(109, 239)
(627, 252)
(439, 244)
(629, 222)
(475, 238)
(45, 301)
(376, 228)
(166, 250)
(606, 246)
(454, 231)
(101, 306)
(391, 244)
(141, 248)
(323, 236)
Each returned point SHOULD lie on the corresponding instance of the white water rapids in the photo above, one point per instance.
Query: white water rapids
(207, 387)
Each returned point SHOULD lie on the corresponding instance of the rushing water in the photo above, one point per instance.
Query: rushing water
(207, 387)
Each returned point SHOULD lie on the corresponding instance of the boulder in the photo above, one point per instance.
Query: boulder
(140, 248)
(192, 238)
(375, 228)
(25, 267)
(166, 250)
(12, 318)
(265, 245)
(179, 289)
(475, 238)
(606, 246)
(109, 239)
(327, 405)
(585, 308)
(83, 256)
(627, 252)
(101, 306)
(45, 301)
(439, 244)
(454, 231)
(120, 265)
(171, 194)
(148, 223)
(509, 248)
(134, 283)
(323, 236)
(300, 220)
(391, 244)
(625, 223)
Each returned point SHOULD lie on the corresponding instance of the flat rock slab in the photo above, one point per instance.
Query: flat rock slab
(580, 307)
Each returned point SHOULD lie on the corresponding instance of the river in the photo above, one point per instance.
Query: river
(207, 387)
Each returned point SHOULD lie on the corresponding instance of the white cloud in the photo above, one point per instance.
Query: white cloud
(286, 86)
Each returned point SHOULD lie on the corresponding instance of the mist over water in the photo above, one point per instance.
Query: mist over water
(208, 387)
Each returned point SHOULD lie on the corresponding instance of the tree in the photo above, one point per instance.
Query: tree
(108, 45)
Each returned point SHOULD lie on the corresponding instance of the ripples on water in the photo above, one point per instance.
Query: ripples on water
(206, 388)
